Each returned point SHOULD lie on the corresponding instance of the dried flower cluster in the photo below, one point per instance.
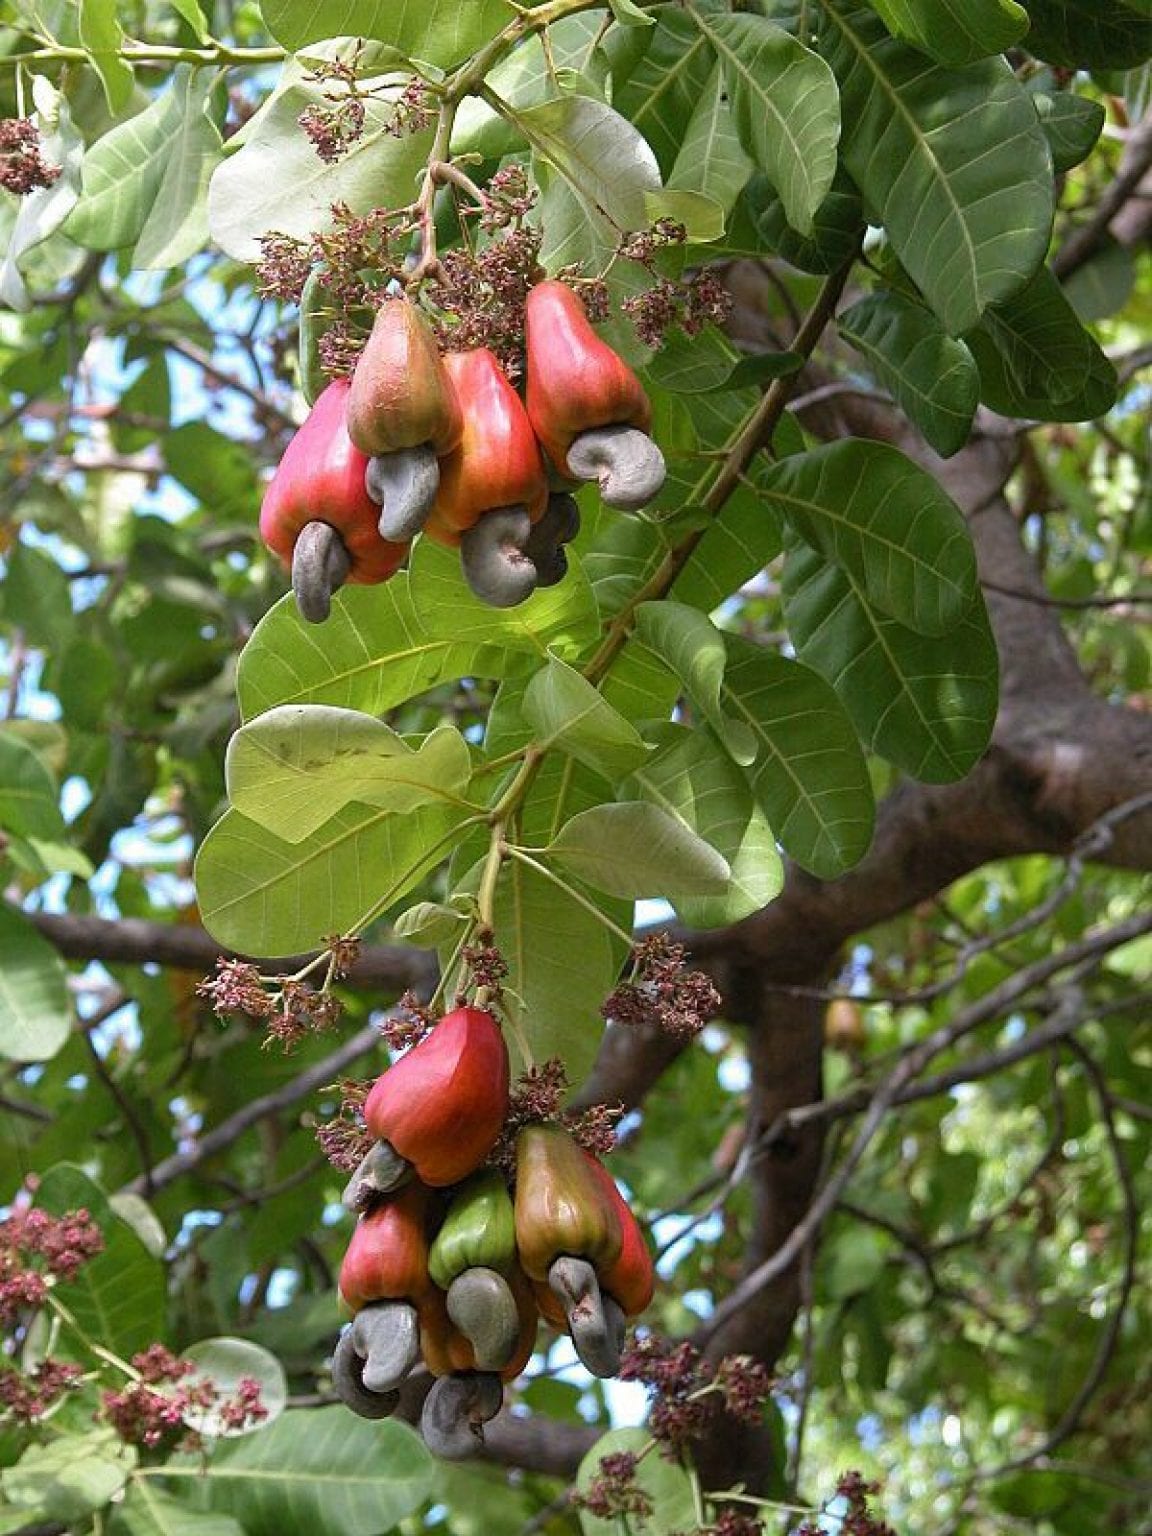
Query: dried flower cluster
(407, 1023)
(334, 128)
(36, 1249)
(147, 1417)
(857, 1518)
(690, 303)
(345, 1139)
(614, 1492)
(291, 1008)
(23, 167)
(27, 1396)
(686, 1395)
(480, 297)
(536, 1096)
(663, 994)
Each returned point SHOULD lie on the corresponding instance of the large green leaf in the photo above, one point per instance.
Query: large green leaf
(810, 776)
(567, 712)
(29, 799)
(145, 182)
(293, 768)
(694, 648)
(376, 649)
(635, 850)
(440, 32)
(785, 105)
(276, 180)
(322, 1470)
(117, 1298)
(148, 1511)
(70, 1477)
(837, 225)
(661, 93)
(887, 522)
(693, 779)
(711, 159)
(932, 375)
(267, 897)
(35, 1009)
(955, 34)
(593, 169)
(1089, 34)
(1037, 359)
(927, 704)
(953, 163)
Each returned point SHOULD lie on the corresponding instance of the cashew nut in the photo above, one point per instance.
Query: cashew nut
(348, 1380)
(381, 1170)
(493, 559)
(627, 463)
(595, 1321)
(481, 1304)
(403, 485)
(456, 1410)
(386, 1336)
(559, 525)
(320, 566)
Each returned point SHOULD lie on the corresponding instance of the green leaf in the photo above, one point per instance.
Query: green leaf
(440, 32)
(102, 35)
(693, 780)
(635, 850)
(810, 776)
(35, 1009)
(118, 1298)
(932, 375)
(1088, 34)
(295, 767)
(193, 14)
(37, 596)
(1036, 358)
(710, 158)
(887, 522)
(70, 1477)
(951, 34)
(428, 924)
(145, 182)
(567, 712)
(660, 92)
(1072, 124)
(383, 645)
(693, 365)
(702, 217)
(1103, 285)
(926, 704)
(666, 1483)
(276, 180)
(266, 897)
(45, 209)
(629, 14)
(147, 1511)
(694, 648)
(222, 1364)
(216, 469)
(953, 164)
(593, 169)
(29, 798)
(785, 105)
(318, 1470)
(837, 225)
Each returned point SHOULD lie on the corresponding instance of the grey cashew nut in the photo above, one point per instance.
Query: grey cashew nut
(386, 1336)
(481, 1304)
(493, 559)
(627, 463)
(381, 1171)
(595, 1321)
(403, 485)
(320, 566)
(456, 1410)
(348, 1380)
(559, 525)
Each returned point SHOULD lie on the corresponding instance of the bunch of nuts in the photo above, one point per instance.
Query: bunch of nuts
(416, 442)
(450, 1265)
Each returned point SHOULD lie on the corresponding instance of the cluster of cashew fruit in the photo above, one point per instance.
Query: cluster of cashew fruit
(417, 442)
(450, 1265)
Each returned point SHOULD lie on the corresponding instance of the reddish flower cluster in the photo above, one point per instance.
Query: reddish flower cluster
(482, 297)
(35, 1247)
(614, 1493)
(407, 1024)
(857, 1519)
(731, 1523)
(345, 1139)
(686, 1396)
(508, 197)
(536, 1097)
(22, 164)
(25, 1397)
(145, 1417)
(333, 129)
(292, 1008)
(690, 304)
(665, 994)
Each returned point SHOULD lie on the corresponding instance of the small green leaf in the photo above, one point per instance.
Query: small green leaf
(694, 648)
(887, 522)
(193, 14)
(295, 767)
(628, 14)
(809, 776)
(29, 798)
(222, 1364)
(636, 850)
(932, 375)
(102, 35)
(955, 35)
(428, 924)
(785, 105)
(567, 712)
(701, 216)
(71, 1477)
(35, 1009)
(1072, 124)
